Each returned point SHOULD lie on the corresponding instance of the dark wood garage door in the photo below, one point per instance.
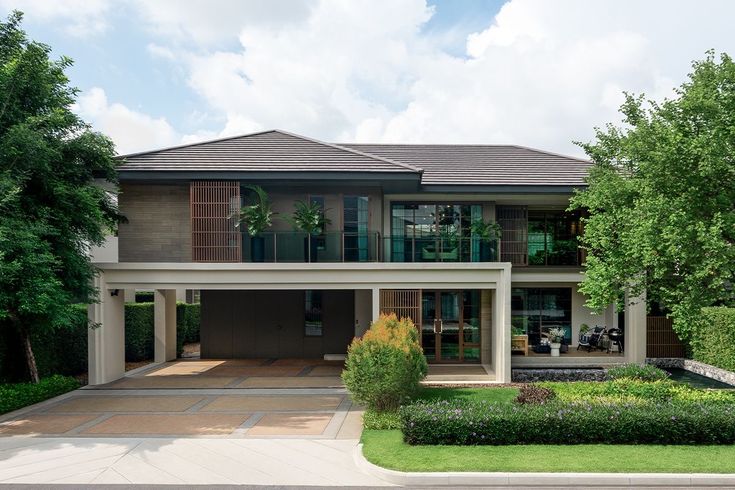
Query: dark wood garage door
(270, 324)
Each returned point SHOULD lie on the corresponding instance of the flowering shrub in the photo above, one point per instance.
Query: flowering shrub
(478, 423)
(534, 394)
(384, 367)
(645, 372)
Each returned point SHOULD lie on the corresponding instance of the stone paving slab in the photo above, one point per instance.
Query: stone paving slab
(279, 424)
(43, 424)
(325, 371)
(272, 403)
(207, 424)
(292, 382)
(126, 403)
(171, 382)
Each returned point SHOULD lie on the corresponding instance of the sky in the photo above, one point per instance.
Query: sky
(538, 73)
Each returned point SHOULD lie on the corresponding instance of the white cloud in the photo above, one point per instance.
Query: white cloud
(541, 74)
(130, 130)
(79, 18)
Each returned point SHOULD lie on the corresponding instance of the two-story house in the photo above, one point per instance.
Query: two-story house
(402, 236)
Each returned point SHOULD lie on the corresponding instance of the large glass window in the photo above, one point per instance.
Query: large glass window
(552, 238)
(536, 310)
(356, 239)
(434, 232)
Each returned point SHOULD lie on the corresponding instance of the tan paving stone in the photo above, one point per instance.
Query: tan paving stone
(171, 382)
(208, 424)
(184, 368)
(326, 371)
(352, 426)
(43, 424)
(300, 362)
(256, 403)
(238, 371)
(292, 382)
(296, 424)
(126, 403)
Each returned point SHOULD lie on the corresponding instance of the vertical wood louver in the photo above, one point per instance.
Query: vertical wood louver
(514, 222)
(214, 237)
(402, 302)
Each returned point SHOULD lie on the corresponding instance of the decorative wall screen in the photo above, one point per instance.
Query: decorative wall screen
(661, 340)
(514, 222)
(402, 302)
(214, 237)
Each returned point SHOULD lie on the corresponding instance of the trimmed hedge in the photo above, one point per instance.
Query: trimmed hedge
(19, 395)
(714, 341)
(64, 350)
(635, 391)
(477, 423)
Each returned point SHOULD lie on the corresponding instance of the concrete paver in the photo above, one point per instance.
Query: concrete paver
(171, 403)
(272, 403)
(43, 424)
(182, 424)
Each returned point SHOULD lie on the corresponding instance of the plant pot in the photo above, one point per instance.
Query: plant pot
(487, 251)
(257, 249)
(311, 244)
(555, 346)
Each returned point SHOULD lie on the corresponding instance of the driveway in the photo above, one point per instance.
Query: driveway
(276, 422)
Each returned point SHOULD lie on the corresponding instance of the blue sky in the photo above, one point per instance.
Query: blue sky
(533, 72)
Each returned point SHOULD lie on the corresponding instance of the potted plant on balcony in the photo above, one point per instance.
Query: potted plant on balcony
(256, 218)
(556, 336)
(488, 233)
(309, 218)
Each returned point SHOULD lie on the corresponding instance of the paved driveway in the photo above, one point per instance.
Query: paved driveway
(259, 422)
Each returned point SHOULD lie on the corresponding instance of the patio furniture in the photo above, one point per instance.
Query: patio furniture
(519, 343)
(595, 338)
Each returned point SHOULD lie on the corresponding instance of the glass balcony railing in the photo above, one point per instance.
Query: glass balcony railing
(342, 246)
(440, 249)
(293, 246)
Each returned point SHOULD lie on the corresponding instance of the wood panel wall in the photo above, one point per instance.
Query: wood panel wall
(402, 302)
(661, 340)
(514, 240)
(214, 237)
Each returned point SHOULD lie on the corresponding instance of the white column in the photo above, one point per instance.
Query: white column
(363, 311)
(501, 329)
(181, 295)
(106, 337)
(376, 304)
(635, 328)
(130, 295)
(164, 319)
(486, 326)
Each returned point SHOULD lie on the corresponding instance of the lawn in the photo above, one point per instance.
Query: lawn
(386, 448)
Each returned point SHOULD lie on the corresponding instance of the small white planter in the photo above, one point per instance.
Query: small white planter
(555, 346)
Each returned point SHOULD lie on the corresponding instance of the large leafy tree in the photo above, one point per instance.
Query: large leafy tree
(661, 199)
(52, 207)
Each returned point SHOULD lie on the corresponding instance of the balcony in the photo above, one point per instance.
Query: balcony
(341, 246)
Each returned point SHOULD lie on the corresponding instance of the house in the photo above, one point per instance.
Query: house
(400, 238)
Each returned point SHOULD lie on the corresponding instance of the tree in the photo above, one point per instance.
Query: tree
(661, 199)
(51, 206)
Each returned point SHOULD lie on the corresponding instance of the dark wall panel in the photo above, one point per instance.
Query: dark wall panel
(339, 321)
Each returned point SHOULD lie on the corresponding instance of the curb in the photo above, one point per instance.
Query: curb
(584, 480)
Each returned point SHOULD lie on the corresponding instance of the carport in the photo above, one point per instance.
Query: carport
(106, 345)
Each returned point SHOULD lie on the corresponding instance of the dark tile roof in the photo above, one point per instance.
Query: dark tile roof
(269, 151)
(483, 165)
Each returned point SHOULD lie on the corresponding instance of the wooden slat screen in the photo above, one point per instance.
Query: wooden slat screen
(402, 302)
(661, 340)
(214, 237)
(514, 241)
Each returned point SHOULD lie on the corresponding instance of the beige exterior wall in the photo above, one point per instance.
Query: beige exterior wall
(159, 223)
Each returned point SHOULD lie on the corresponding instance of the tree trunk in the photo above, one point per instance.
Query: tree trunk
(25, 337)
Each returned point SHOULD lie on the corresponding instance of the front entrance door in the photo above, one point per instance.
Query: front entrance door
(442, 327)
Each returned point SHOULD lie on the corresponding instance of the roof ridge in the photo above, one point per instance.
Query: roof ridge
(351, 150)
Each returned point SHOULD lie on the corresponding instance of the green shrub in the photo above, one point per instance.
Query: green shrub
(188, 321)
(19, 395)
(534, 394)
(374, 420)
(139, 332)
(714, 341)
(476, 423)
(385, 366)
(642, 372)
(636, 391)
